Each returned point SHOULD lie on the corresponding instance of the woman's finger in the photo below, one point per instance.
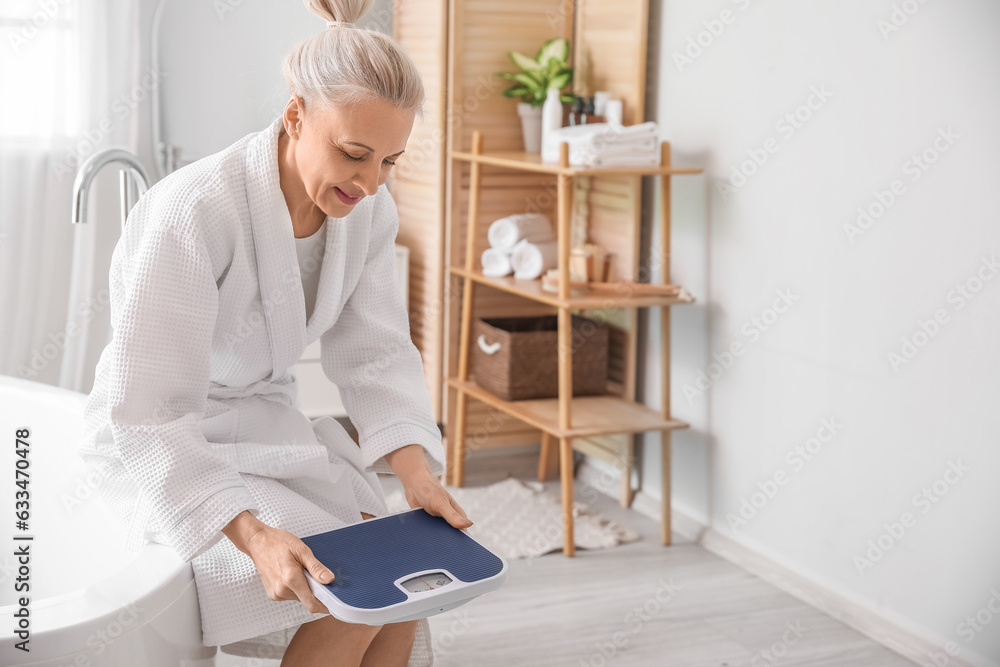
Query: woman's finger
(458, 508)
(298, 584)
(319, 572)
(448, 508)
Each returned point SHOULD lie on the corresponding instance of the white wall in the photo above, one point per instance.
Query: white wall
(222, 64)
(827, 357)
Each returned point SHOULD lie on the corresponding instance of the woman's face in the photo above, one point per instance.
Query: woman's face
(344, 153)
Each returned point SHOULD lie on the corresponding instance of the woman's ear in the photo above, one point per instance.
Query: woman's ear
(293, 116)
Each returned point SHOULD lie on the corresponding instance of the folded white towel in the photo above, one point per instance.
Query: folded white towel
(504, 233)
(623, 132)
(646, 146)
(531, 260)
(634, 160)
(594, 138)
(496, 262)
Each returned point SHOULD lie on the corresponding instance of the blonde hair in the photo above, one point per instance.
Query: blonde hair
(349, 64)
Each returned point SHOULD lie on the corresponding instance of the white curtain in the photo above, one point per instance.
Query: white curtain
(70, 84)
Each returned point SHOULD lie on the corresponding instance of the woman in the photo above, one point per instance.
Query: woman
(194, 420)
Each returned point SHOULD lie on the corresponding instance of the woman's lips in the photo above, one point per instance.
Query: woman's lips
(345, 198)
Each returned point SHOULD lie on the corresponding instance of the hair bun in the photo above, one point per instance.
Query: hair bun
(337, 13)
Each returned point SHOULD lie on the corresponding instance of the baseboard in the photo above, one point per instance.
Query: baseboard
(887, 628)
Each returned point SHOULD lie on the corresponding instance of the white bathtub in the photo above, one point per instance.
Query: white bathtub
(90, 605)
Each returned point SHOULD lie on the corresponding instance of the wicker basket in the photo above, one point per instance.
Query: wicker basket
(517, 357)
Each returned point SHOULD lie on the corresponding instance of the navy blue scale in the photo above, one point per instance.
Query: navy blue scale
(366, 558)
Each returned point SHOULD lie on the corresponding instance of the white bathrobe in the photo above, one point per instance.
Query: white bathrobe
(194, 415)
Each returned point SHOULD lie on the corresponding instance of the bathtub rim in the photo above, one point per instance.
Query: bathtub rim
(153, 579)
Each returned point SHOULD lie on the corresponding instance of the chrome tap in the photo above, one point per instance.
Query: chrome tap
(133, 179)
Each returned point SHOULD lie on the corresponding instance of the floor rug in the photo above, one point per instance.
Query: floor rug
(518, 519)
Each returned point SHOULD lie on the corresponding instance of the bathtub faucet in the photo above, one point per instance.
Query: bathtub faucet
(132, 177)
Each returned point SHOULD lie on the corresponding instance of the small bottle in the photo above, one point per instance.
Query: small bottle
(577, 111)
(552, 114)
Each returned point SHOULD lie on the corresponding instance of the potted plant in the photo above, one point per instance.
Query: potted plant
(546, 70)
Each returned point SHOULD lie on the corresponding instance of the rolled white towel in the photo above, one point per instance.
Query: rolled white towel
(531, 260)
(504, 233)
(496, 262)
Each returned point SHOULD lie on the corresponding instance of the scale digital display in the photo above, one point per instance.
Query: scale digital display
(427, 582)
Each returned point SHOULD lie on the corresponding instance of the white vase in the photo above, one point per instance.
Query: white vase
(531, 126)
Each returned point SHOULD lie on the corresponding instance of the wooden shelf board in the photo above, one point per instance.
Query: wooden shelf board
(591, 415)
(532, 289)
(533, 162)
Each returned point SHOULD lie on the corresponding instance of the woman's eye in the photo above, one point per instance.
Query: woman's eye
(359, 159)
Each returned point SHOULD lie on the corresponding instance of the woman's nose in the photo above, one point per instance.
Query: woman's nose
(369, 180)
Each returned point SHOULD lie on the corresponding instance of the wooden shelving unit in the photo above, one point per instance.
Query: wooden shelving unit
(564, 418)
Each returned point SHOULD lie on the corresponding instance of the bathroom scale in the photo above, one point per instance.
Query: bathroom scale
(401, 567)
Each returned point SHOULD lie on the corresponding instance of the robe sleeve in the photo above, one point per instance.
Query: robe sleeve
(369, 355)
(164, 304)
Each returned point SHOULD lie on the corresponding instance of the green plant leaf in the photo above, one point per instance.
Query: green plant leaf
(529, 82)
(556, 48)
(559, 81)
(523, 61)
(515, 91)
(567, 98)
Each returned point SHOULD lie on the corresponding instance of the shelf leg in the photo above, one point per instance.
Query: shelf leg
(565, 322)
(462, 400)
(627, 494)
(458, 448)
(545, 458)
(665, 436)
(566, 473)
(665, 455)
(565, 351)
(468, 290)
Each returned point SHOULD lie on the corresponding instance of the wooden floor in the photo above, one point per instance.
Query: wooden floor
(637, 604)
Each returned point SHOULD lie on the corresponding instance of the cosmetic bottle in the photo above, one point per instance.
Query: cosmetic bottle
(552, 113)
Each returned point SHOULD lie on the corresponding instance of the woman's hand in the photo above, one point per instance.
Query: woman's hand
(422, 488)
(280, 558)
(427, 492)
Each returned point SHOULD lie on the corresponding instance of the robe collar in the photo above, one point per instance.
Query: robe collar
(278, 274)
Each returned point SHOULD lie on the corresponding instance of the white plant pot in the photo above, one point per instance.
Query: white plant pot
(531, 126)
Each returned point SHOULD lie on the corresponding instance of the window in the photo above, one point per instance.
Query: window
(39, 75)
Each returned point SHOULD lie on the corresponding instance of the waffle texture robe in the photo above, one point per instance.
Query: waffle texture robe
(194, 415)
